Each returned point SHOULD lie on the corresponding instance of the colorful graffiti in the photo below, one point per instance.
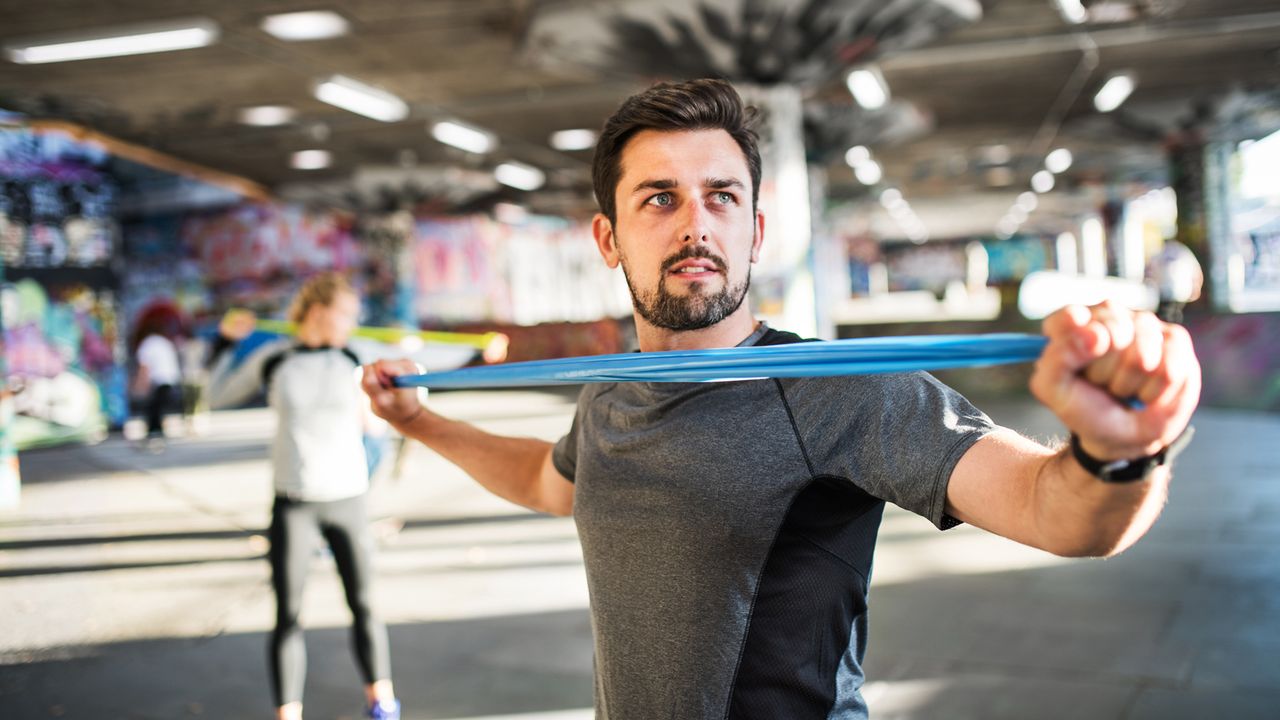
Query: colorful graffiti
(542, 270)
(261, 241)
(1240, 358)
(58, 238)
(56, 205)
(60, 346)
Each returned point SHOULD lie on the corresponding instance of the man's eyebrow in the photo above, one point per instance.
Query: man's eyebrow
(662, 184)
(722, 183)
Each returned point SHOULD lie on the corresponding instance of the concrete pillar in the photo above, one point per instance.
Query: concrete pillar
(783, 283)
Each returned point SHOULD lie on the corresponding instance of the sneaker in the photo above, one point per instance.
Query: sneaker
(384, 710)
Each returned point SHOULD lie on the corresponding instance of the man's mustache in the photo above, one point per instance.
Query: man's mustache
(695, 251)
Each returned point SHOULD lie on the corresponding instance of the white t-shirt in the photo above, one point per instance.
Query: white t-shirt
(159, 356)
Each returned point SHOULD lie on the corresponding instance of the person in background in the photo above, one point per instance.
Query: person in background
(159, 375)
(321, 477)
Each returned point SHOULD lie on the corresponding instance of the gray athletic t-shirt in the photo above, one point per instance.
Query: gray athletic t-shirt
(728, 529)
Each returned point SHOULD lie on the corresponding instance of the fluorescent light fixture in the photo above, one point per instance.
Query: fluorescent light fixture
(1028, 201)
(868, 173)
(355, 96)
(857, 155)
(266, 115)
(1042, 181)
(868, 87)
(519, 176)
(114, 42)
(1114, 92)
(579, 139)
(309, 25)
(311, 160)
(1058, 161)
(1073, 11)
(892, 197)
(464, 137)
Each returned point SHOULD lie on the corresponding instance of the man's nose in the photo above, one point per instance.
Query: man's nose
(694, 228)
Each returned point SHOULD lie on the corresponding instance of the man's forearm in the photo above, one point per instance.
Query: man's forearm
(509, 467)
(1080, 515)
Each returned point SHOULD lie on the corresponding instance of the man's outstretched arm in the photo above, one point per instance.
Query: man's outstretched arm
(516, 469)
(1097, 362)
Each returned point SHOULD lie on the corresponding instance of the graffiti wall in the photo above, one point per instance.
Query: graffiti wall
(61, 347)
(543, 270)
(56, 203)
(1240, 358)
(256, 255)
(58, 248)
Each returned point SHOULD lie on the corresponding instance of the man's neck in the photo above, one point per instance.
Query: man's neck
(726, 333)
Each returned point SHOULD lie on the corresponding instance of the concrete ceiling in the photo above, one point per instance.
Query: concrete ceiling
(1021, 77)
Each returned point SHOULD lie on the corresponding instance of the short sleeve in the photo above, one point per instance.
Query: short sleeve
(565, 453)
(898, 437)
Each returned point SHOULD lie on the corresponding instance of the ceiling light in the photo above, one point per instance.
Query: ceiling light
(266, 115)
(857, 155)
(519, 176)
(464, 137)
(361, 99)
(579, 139)
(891, 197)
(868, 173)
(311, 160)
(310, 25)
(1073, 11)
(1114, 92)
(1028, 201)
(868, 87)
(114, 42)
(1042, 182)
(1058, 161)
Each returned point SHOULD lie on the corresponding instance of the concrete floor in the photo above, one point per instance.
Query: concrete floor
(132, 586)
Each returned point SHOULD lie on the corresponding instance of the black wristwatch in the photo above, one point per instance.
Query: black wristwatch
(1123, 471)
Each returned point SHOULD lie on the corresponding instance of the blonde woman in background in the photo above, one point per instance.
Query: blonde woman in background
(320, 474)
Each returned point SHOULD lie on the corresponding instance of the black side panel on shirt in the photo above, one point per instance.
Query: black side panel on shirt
(810, 607)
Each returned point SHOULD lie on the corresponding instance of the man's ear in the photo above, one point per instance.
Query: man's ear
(758, 240)
(606, 241)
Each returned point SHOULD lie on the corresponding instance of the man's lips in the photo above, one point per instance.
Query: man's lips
(694, 268)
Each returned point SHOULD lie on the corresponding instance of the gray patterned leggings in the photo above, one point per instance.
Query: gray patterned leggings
(295, 526)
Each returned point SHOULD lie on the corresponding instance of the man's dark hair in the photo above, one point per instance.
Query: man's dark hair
(693, 105)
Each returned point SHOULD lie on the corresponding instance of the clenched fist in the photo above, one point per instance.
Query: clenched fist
(1123, 381)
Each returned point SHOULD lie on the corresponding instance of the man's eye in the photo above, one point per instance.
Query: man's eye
(661, 199)
(725, 198)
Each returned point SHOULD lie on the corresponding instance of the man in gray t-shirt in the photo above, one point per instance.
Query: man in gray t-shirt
(728, 528)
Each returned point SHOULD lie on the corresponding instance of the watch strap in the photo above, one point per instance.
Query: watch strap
(1122, 471)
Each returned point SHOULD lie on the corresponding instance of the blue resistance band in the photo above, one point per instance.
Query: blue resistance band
(860, 356)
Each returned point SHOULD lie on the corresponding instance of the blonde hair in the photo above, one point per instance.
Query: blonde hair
(322, 289)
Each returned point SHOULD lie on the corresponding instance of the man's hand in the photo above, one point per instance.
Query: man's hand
(395, 405)
(237, 324)
(1100, 359)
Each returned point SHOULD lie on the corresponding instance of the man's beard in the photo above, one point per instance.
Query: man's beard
(692, 311)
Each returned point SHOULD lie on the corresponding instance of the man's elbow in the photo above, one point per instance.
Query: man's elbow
(1094, 545)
